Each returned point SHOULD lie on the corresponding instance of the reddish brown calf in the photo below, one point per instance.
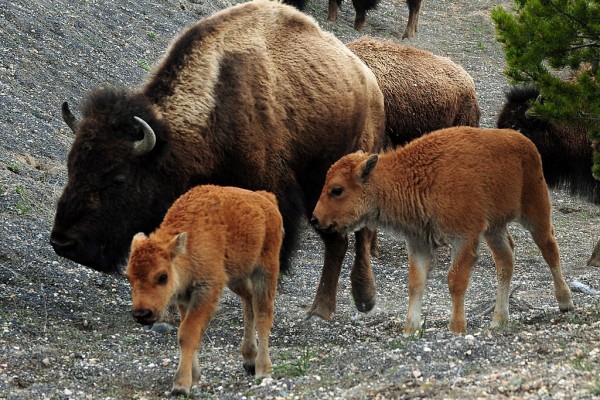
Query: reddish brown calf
(211, 237)
(449, 187)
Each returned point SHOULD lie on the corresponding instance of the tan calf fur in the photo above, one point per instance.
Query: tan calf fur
(211, 237)
(449, 187)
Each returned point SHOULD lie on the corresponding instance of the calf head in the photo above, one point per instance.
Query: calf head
(346, 204)
(152, 273)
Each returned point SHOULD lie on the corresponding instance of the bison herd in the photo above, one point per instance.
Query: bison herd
(232, 137)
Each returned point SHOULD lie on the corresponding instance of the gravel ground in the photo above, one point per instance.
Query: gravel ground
(66, 332)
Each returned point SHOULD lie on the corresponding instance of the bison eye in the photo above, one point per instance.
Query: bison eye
(163, 279)
(337, 191)
(118, 180)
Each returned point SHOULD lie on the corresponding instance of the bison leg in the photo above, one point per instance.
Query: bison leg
(363, 286)
(332, 13)
(244, 290)
(420, 259)
(502, 246)
(194, 321)
(594, 260)
(323, 305)
(359, 20)
(414, 6)
(464, 255)
(264, 284)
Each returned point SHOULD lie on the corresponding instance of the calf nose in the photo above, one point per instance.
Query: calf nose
(143, 316)
(314, 221)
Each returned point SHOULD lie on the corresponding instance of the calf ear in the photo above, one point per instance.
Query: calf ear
(138, 238)
(368, 167)
(177, 244)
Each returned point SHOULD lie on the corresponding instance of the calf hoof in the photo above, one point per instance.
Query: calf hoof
(250, 368)
(458, 328)
(569, 306)
(180, 391)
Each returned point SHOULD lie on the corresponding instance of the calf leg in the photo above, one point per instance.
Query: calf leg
(543, 236)
(502, 246)
(536, 218)
(243, 289)
(420, 259)
(464, 255)
(264, 284)
(363, 286)
(195, 319)
(335, 249)
(414, 6)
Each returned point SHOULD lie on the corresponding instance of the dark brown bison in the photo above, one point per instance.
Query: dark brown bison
(255, 96)
(362, 6)
(422, 91)
(567, 152)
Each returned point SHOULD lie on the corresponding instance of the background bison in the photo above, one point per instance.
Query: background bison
(422, 91)
(566, 150)
(362, 6)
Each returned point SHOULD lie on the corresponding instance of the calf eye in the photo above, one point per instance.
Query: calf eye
(162, 279)
(336, 191)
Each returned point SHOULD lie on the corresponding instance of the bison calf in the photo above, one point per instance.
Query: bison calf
(449, 187)
(211, 237)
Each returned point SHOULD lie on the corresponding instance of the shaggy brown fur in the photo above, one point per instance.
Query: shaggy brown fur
(255, 96)
(448, 188)
(422, 92)
(211, 237)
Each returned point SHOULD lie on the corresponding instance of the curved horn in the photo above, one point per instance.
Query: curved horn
(145, 145)
(68, 117)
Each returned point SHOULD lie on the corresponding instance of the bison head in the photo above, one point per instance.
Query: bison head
(116, 183)
(152, 274)
(345, 204)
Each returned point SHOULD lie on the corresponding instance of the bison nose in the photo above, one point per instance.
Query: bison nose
(143, 316)
(62, 244)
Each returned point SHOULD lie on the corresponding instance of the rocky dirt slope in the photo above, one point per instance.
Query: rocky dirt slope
(66, 332)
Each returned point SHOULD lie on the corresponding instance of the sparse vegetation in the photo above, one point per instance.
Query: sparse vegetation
(48, 351)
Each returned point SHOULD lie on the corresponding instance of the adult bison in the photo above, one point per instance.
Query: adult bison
(567, 151)
(362, 6)
(255, 96)
(422, 92)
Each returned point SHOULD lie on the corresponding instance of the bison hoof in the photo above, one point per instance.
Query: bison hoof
(250, 368)
(320, 311)
(365, 306)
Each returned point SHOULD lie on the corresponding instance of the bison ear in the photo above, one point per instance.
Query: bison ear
(138, 238)
(368, 167)
(359, 152)
(178, 244)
